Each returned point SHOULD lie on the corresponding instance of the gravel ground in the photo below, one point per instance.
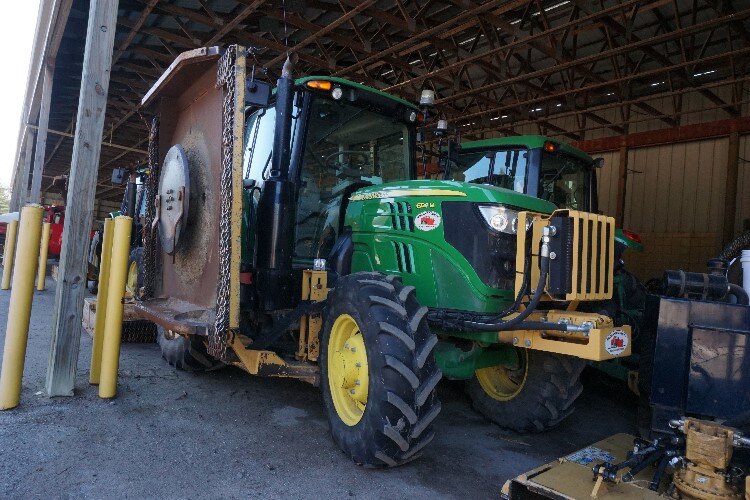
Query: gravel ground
(226, 434)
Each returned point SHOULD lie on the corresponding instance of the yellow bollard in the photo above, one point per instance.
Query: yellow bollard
(9, 253)
(101, 301)
(19, 310)
(118, 270)
(43, 249)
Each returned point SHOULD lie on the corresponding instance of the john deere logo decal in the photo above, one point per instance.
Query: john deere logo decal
(427, 221)
(616, 342)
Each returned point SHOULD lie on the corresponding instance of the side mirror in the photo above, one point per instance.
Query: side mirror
(598, 162)
(257, 93)
(118, 176)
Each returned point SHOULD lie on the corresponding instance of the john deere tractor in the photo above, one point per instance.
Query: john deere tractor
(289, 235)
(562, 174)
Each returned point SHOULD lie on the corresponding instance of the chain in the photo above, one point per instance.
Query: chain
(150, 244)
(217, 340)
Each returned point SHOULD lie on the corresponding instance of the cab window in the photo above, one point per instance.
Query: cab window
(506, 168)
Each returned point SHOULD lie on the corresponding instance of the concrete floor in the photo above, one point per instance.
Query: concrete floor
(226, 434)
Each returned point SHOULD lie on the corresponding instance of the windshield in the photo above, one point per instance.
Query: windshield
(563, 180)
(506, 168)
(348, 143)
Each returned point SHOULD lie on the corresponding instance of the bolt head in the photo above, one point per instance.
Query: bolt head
(354, 349)
(358, 364)
(357, 382)
(527, 343)
(351, 391)
(552, 256)
(515, 340)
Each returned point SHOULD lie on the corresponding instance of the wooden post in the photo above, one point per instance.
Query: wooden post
(41, 134)
(92, 104)
(622, 185)
(730, 193)
(20, 193)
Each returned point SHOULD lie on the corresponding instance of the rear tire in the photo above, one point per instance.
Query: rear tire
(388, 419)
(543, 397)
(184, 353)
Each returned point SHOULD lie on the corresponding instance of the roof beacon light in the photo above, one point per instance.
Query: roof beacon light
(427, 98)
(550, 147)
(319, 85)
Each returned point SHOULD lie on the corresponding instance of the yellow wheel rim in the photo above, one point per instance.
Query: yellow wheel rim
(348, 377)
(502, 383)
(132, 283)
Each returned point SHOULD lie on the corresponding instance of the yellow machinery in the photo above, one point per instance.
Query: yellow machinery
(696, 462)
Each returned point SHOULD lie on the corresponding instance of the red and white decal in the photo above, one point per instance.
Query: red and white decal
(427, 221)
(616, 342)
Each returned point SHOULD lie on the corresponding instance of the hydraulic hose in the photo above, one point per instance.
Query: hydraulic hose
(733, 249)
(516, 322)
(740, 293)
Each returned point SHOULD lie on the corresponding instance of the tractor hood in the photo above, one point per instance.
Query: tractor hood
(453, 191)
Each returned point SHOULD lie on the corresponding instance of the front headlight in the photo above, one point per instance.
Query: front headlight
(500, 218)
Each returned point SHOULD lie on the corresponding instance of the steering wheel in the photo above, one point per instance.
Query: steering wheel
(327, 161)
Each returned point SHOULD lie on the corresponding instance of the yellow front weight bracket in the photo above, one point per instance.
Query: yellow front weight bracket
(603, 341)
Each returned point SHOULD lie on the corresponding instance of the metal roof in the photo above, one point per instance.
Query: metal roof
(568, 68)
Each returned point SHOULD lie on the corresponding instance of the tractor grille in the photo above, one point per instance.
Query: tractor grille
(583, 264)
(401, 216)
(594, 236)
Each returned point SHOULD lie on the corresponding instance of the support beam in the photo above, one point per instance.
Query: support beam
(730, 193)
(92, 103)
(35, 196)
(686, 133)
(20, 193)
(622, 185)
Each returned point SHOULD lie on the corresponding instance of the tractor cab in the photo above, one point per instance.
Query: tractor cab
(344, 136)
(535, 165)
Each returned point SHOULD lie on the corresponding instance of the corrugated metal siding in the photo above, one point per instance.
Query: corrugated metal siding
(743, 185)
(607, 183)
(675, 201)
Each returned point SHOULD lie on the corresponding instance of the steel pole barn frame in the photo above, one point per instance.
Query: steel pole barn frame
(591, 74)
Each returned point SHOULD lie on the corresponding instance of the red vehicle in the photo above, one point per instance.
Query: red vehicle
(55, 215)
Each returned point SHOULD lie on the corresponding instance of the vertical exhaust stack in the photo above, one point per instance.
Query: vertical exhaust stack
(277, 206)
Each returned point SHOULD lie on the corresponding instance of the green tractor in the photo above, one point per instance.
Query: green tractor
(562, 174)
(290, 236)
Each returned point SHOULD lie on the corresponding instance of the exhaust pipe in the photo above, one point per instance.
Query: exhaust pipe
(277, 203)
(277, 206)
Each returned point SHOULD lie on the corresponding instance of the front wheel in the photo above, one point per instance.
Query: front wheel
(378, 370)
(533, 396)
